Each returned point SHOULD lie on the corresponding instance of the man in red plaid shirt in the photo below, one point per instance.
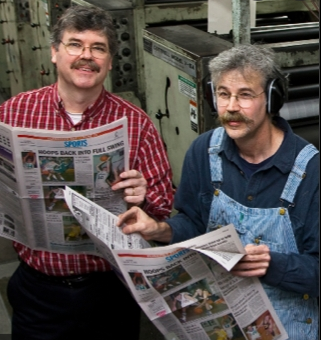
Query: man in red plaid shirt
(72, 296)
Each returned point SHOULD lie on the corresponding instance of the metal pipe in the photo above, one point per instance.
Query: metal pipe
(285, 35)
(241, 21)
(306, 91)
(269, 28)
(303, 75)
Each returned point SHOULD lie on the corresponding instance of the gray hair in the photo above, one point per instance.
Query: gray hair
(82, 18)
(245, 58)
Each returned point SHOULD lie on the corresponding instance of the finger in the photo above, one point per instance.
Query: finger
(256, 258)
(130, 183)
(132, 192)
(131, 174)
(254, 249)
(126, 216)
(250, 273)
(136, 227)
(131, 228)
(251, 265)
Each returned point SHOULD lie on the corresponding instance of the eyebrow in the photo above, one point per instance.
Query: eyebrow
(80, 41)
(221, 87)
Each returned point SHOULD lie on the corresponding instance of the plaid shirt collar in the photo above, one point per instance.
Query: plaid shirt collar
(91, 111)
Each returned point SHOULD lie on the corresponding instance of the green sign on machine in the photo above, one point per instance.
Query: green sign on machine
(187, 87)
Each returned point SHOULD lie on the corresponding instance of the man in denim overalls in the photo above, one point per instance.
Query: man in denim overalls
(256, 173)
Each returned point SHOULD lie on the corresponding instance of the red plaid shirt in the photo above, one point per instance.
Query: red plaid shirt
(43, 109)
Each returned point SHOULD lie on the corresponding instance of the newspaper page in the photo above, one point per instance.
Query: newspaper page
(189, 295)
(186, 288)
(35, 167)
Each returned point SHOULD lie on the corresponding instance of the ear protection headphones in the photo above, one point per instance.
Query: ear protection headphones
(275, 92)
(275, 95)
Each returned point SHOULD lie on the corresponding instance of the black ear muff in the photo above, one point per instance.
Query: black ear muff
(213, 96)
(210, 97)
(275, 95)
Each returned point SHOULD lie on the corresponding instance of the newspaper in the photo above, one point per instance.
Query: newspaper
(186, 288)
(35, 167)
(56, 196)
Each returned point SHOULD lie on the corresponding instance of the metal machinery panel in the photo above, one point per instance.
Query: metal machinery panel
(25, 26)
(5, 90)
(176, 59)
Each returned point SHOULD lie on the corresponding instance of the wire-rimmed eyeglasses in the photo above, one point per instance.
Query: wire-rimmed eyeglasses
(76, 49)
(244, 99)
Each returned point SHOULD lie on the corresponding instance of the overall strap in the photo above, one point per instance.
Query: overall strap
(215, 159)
(298, 172)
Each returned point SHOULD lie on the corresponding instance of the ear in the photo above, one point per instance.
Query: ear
(110, 65)
(53, 54)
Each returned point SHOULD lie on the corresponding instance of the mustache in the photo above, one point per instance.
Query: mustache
(234, 117)
(81, 63)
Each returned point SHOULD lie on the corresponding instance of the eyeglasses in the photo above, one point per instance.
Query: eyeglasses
(75, 48)
(244, 99)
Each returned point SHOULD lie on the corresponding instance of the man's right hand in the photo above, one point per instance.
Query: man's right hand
(135, 220)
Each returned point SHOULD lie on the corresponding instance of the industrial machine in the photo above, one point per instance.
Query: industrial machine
(5, 90)
(25, 31)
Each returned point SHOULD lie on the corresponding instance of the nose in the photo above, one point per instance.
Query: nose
(233, 104)
(86, 53)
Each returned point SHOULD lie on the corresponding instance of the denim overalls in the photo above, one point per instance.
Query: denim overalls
(298, 314)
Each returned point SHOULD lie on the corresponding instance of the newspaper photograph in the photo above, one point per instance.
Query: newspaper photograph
(36, 166)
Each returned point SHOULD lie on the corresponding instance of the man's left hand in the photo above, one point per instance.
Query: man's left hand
(254, 263)
(134, 185)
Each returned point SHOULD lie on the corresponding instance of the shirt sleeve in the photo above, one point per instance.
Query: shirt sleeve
(152, 162)
(191, 202)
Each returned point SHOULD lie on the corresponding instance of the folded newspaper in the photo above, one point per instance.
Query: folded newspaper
(56, 196)
(185, 288)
